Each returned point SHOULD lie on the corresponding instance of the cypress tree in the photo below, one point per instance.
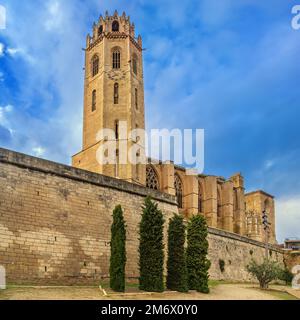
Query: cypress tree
(176, 265)
(118, 251)
(151, 248)
(197, 249)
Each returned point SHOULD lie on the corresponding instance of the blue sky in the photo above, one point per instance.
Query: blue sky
(230, 67)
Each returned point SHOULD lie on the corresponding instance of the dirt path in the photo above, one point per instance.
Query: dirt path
(220, 292)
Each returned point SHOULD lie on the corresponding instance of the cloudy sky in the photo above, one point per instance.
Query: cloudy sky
(230, 67)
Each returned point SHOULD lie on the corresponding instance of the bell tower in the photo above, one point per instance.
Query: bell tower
(113, 99)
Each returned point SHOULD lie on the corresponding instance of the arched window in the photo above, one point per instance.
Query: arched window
(100, 30)
(94, 100)
(136, 98)
(134, 64)
(200, 198)
(267, 206)
(116, 93)
(151, 178)
(116, 59)
(95, 65)
(115, 26)
(178, 190)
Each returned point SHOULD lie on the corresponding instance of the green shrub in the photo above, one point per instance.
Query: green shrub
(151, 248)
(118, 251)
(176, 265)
(286, 276)
(197, 249)
(264, 272)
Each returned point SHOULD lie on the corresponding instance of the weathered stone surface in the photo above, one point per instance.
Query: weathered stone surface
(2, 278)
(236, 251)
(50, 236)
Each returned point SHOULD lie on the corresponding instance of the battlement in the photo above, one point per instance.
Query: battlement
(113, 26)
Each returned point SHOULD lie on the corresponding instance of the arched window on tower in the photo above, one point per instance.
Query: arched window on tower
(151, 178)
(100, 30)
(95, 65)
(178, 190)
(94, 100)
(267, 206)
(200, 198)
(134, 64)
(116, 59)
(115, 26)
(116, 93)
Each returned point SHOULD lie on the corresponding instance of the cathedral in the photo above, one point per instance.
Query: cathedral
(114, 92)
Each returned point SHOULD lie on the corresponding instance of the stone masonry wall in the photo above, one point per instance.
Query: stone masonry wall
(236, 251)
(55, 225)
(55, 221)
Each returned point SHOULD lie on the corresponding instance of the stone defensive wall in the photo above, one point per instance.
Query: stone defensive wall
(55, 225)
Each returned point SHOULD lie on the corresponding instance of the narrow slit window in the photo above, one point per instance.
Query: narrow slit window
(100, 31)
(134, 65)
(117, 164)
(94, 98)
(136, 98)
(117, 130)
(116, 93)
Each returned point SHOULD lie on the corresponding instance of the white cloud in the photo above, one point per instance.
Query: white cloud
(55, 16)
(13, 51)
(3, 113)
(288, 217)
(38, 151)
(269, 164)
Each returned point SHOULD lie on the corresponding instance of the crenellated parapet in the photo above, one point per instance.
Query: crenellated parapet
(113, 27)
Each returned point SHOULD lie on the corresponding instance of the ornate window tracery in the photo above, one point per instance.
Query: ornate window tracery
(95, 65)
(116, 57)
(178, 190)
(151, 178)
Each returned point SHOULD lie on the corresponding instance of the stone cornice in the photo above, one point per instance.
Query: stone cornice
(114, 35)
(48, 167)
(235, 236)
